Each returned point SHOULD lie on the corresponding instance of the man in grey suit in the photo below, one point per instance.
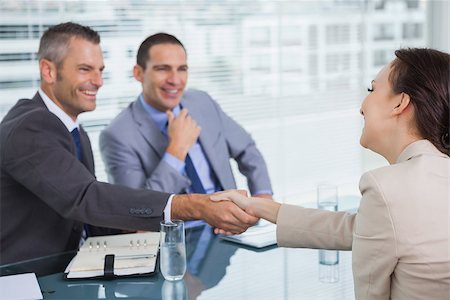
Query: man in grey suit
(175, 141)
(47, 184)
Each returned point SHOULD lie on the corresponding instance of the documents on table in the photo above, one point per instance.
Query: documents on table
(134, 254)
(20, 287)
(261, 235)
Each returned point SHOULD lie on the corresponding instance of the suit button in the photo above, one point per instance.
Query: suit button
(148, 211)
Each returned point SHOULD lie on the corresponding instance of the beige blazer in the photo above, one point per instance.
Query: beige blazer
(399, 236)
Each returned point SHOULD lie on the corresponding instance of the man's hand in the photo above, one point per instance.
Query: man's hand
(228, 217)
(183, 132)
(240, 199)
(221, 214)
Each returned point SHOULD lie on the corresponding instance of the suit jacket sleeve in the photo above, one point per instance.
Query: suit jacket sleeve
(313, 228)
(369, 234)
(375, 251)
(39, 154)
(125, 165)
(242, 148)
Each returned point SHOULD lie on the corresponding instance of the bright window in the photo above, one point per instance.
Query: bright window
(293, 73)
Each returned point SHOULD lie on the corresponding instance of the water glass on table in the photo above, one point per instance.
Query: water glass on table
(327, 199)
(173, 250)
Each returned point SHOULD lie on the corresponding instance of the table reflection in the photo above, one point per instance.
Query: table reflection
(207, 259)
(216, 269)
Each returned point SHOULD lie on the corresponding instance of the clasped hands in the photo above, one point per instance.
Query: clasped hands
(237, 217)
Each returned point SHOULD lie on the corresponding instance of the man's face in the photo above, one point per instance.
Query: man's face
(78, 78)
(164, 79)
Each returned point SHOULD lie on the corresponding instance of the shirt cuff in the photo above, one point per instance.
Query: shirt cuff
(174, 162)
(168, 209)
(263, 192)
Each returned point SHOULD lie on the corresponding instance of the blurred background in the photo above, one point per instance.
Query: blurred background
(293, 73)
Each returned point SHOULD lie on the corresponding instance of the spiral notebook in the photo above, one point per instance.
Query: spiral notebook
(119, 255)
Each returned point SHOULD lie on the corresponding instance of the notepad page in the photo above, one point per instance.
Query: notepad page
(134, 254)
(261, 235)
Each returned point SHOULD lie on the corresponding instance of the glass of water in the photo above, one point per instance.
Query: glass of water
(327, 199)
(173, 250)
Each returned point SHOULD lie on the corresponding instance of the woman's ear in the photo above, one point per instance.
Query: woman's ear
(402, 103)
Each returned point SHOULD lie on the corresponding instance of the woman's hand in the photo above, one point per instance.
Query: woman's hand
(238, 197)
(257, 207)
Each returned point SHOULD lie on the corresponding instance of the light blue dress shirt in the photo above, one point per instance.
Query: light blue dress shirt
(196, 153)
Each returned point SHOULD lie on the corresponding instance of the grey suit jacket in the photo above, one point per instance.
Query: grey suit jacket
(132, 148)
(47, 193)
(400, 235)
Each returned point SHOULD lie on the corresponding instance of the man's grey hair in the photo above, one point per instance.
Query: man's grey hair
(55, 40)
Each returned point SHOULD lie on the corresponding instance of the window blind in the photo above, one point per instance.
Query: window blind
(293, 73)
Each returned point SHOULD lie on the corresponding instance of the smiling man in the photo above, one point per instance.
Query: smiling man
(47, 184)
(72, 85)
(177, 141)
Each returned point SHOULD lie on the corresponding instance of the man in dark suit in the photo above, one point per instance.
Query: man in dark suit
(47, 183)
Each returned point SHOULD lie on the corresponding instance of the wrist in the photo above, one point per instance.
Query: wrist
(252, 208)
(263, 195)
(199, 205)
(189, 207)
(264, 208)
(177, 151)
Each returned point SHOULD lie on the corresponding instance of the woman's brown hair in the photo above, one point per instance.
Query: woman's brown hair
(424, 74)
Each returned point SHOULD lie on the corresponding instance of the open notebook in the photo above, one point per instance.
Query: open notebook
(128, 254)
(261, 235)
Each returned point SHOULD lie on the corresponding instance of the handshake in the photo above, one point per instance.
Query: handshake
(232, 212)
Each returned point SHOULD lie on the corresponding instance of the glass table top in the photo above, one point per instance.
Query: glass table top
(216, 269)
(223, 271)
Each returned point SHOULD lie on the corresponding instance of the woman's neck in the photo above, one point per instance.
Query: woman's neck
(396, 147)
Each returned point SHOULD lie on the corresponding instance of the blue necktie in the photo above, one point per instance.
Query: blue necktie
(76, 138)
(196, 184)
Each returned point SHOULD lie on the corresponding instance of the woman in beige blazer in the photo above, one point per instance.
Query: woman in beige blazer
(400, 235)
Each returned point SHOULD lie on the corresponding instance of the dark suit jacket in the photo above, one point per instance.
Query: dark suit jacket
(47, 193)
